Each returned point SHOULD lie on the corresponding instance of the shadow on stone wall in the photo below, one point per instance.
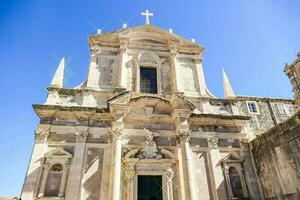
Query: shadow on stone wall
(276, 155)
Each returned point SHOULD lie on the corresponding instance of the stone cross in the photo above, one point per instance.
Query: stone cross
(147, 14)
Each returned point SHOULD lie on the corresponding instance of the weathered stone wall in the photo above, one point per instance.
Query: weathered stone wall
(270, 113)
(276, 155)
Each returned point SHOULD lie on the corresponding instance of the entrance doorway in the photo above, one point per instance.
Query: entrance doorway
(150, 188)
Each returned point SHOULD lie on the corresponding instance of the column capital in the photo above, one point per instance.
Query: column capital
(81, 136)
(115, 132)
(41, 136)
(183, 135)
(213, 142)
(173, 49)
(117, 127)
(123, 46)
(47, 165)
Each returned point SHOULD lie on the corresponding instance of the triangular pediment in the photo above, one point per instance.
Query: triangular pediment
(145, 34)
(58, 152)
(232, 157)
(149, 32)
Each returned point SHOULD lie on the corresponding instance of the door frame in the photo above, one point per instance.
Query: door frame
(151, 167)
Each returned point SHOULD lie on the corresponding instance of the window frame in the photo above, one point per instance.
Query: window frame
(151, 68)
(237, 163)
(256, 107)
(52, 170)
(280, 107)
(155, 63)
(51, 158)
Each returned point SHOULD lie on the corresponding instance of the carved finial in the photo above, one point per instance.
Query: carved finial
(99, 31)
(228, 91)
(57, 80)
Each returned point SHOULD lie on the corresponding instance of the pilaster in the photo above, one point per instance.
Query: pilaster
(35, 168)
(218, 182)
(173, 63)
(200, 76)
(75, 175)
(64, 180)
(116, 133)
(186, 169)
(123, 61)
(105, 182)
(44, 180)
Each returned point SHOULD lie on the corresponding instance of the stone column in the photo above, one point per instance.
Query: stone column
(242, 178)
(117, 155)
(182, 189)
(187, 167)
(218, 182)
(74, 182)
(116, 133)
(227, 178)
(63, 180)
(185, 164)
(44, 180)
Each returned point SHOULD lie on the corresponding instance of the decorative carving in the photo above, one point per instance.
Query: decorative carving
(213, 142)
(129, 172)
(41, 136)
(183, 135)
(294, 166)
(149, 150)
(123, 47)
(170, 174)
(81, 136)
(149, 110)
(116, 131)
(173, 50)
(260, 167)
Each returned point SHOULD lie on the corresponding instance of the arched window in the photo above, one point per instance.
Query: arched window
(235, 182)
(53, 180)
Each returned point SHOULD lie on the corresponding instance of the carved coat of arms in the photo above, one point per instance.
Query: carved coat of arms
(149, 150)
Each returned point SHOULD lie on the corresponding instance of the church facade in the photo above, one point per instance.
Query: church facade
(144, 126)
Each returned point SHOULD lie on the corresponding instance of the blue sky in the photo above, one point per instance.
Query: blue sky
(251, 39)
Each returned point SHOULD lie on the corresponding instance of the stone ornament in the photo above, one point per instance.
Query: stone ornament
(149, 150)
(213, 142)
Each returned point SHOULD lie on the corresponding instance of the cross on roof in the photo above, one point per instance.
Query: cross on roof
(147, 14)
